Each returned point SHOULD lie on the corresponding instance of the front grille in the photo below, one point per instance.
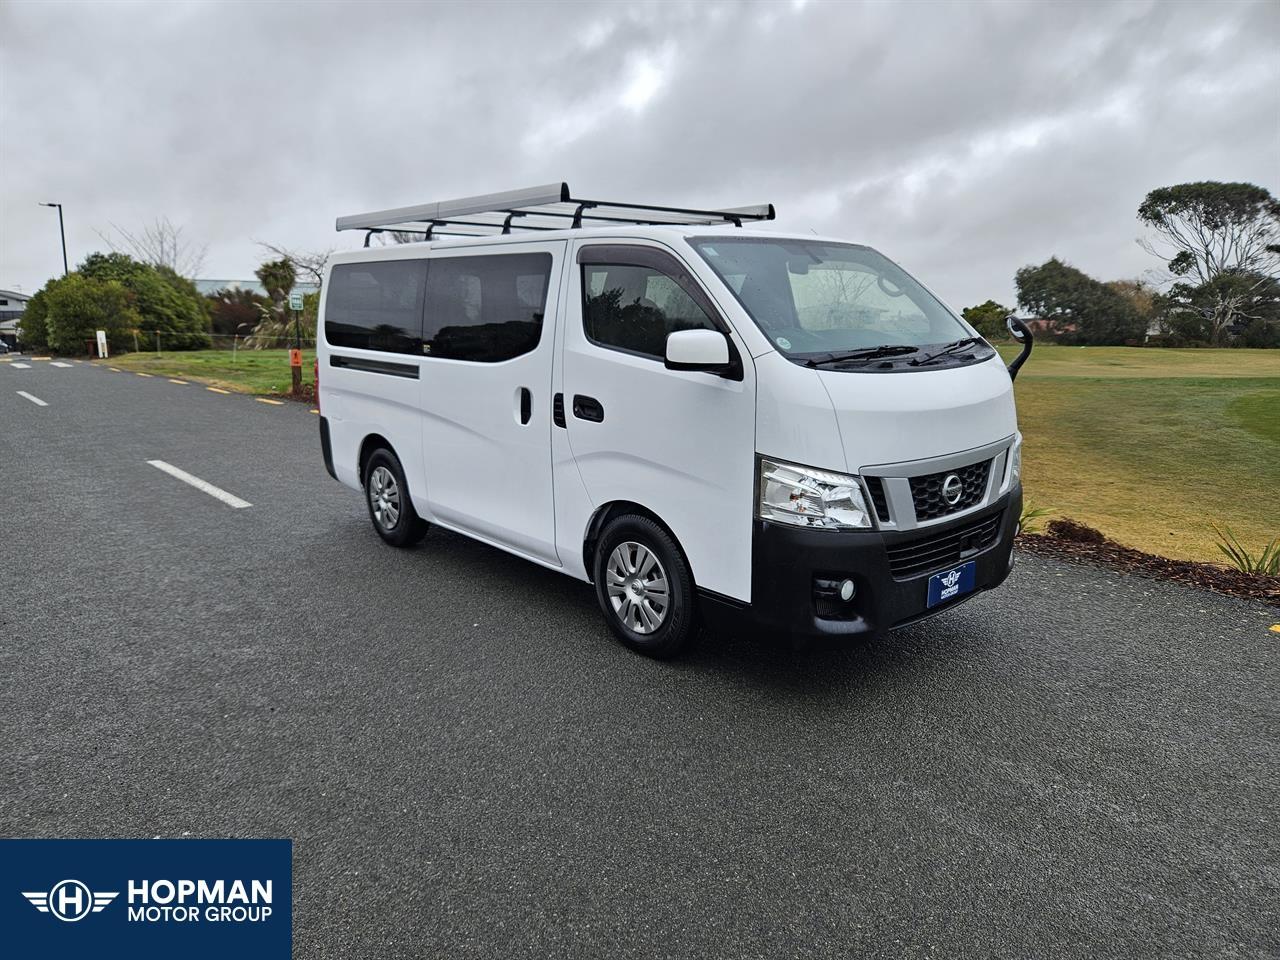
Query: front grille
(926, 491)
(875, 486)
(910, 558)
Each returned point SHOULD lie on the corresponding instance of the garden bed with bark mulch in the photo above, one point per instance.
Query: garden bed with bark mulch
(1069, 540)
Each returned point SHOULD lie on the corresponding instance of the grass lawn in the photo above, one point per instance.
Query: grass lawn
(248, 371)
(1153, 446)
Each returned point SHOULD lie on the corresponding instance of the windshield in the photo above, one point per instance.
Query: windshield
(815, 299)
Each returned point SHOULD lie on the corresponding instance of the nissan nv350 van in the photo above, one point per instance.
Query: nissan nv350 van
(703, 420)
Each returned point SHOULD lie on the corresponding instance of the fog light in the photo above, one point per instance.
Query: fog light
(847, 590)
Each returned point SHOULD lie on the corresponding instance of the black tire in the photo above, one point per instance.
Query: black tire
(630, 613)
(401, 526)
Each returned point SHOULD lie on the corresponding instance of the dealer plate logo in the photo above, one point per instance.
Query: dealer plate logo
(70, 900)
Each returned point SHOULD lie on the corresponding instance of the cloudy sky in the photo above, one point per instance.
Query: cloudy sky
(962, 139)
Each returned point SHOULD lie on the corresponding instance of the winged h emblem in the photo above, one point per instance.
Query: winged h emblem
(70, 900)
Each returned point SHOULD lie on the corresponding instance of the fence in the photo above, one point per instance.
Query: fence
(152, 342)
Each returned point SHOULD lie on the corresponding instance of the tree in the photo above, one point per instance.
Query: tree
(1206, 231)
(277, 277)
(78, 306)
(275, 325)
(160, 244)
(165, 303)
(33, 330)
(1080, 309)
(307, 263)
(1140, 294)
(1189, 313)
(988, 319)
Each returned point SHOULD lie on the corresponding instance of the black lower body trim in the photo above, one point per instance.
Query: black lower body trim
(792, 569)
(326, 449)
(366, 365)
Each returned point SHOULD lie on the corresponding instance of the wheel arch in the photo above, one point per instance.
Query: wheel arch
(370, 444)
(608, 512)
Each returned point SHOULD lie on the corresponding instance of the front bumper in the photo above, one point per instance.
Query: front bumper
(785, 562)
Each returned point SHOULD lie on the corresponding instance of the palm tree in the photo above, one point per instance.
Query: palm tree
(278, 277)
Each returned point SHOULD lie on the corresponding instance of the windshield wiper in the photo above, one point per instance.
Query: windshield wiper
(872, 353)
(947, 350)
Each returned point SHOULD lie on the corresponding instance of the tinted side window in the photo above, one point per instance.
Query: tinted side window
(486, 309)
(634, 308)
(376, 306)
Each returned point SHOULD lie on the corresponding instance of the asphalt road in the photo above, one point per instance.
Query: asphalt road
(1082, 764)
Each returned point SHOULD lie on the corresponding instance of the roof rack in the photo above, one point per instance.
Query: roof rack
(536, 208)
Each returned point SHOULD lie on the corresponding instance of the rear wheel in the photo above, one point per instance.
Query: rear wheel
(644, 587)
(387, 496)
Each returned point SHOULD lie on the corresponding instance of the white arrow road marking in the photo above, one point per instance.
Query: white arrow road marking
(36, 400)
(59, 363)
(203, 485)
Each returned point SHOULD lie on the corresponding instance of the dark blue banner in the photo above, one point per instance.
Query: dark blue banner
(144, 899)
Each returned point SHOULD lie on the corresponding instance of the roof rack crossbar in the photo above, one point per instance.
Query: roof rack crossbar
(551, 201)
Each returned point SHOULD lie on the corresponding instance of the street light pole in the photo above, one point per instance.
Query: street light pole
(63, 231)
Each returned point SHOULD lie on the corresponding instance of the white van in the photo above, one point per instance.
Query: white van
(778, 432)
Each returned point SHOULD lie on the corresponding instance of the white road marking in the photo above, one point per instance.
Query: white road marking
(20, 366)
(274, 403)
(36, 400)
(59, 363)
(202, 485)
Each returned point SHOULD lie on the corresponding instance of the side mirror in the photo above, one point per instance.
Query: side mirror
(1022, 333)
(706, 350)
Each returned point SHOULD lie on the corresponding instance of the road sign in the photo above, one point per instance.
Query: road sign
(295, 301)
(295, 358)
(102, 344)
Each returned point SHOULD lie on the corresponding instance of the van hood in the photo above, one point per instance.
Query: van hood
(895, 417)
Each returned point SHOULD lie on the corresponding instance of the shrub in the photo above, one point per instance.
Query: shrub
(78, 306)
(165, 303)
(1029, 521)
(33, 331)
(1267, 562)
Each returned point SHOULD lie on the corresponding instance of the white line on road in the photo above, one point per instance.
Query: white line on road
(36, 400)
(59, 363)
(20, 366)
(203, 485)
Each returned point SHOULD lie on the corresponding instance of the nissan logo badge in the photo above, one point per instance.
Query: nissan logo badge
(952, 489)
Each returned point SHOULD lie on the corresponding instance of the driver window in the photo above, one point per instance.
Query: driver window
(634, 308)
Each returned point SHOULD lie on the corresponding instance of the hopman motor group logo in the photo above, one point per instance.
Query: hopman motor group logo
(158, 899)
(162, 901)
(70, 900)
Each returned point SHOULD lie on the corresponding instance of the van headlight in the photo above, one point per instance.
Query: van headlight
(1015, 461)
(805, 497)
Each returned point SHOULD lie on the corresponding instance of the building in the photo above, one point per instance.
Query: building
(206, 287)
(12, 304)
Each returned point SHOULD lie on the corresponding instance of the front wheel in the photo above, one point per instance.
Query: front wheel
(644, 587)
(387, 496)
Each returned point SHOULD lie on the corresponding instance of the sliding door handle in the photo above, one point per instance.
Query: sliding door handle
(526, 405)
(588, 408)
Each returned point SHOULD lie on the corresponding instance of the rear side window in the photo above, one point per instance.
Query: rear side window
(485, 309)
(634, 308)
(376, 306)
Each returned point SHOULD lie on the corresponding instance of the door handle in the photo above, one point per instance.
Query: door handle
(526, 405)
(588, 408)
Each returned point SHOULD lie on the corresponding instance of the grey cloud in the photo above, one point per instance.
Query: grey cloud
(962, 139)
